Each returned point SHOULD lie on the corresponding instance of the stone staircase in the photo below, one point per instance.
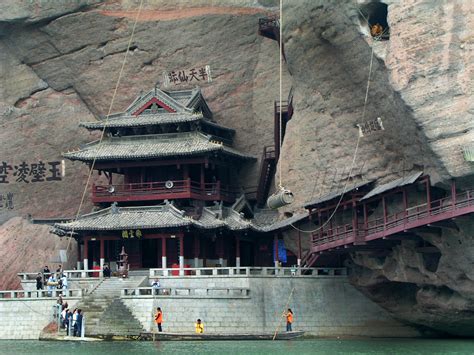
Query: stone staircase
(105, 313)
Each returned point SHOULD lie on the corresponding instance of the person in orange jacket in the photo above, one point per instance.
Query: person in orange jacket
(159, 318)
(289, 320)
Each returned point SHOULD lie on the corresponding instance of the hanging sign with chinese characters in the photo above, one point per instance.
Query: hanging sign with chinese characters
(131, 234)
(31, 172)
(194, 75)
(370, 126)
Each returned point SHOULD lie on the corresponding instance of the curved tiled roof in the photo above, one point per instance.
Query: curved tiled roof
(167, 216)
(124, 120)
(152, 146)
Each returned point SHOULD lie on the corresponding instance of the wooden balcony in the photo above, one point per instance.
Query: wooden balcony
(162, 190)
(413, 217)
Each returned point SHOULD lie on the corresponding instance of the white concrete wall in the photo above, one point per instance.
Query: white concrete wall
(26, 319)
(322, 306)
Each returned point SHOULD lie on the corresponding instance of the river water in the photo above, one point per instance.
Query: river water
(313, 346)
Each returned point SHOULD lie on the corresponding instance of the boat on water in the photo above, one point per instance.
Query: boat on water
(214, 336)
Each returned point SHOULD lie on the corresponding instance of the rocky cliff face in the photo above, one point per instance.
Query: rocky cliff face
(421, 86)
(60, 64)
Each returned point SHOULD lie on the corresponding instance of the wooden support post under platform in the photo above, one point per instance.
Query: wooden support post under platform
(237, 250)
(163, 255)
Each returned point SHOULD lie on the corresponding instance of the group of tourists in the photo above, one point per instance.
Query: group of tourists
(52, 280)
(70, 320)
(198, 326)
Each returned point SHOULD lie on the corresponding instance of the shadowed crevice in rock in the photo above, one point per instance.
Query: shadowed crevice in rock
(428, 282)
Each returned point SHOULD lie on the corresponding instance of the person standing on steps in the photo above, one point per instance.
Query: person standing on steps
(289, 320)
(159, 318)
(199, 326)
(39, 282)
(78, 326)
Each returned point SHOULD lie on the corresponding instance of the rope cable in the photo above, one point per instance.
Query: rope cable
(281, 90)
(91, 168)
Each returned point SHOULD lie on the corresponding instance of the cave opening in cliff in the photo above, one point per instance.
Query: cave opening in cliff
(374, 16)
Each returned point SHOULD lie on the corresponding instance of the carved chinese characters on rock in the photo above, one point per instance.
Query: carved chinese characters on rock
(193, 75)
(30, 172)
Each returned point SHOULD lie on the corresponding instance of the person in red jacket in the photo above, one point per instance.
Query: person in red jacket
(159, 318)
(289, 320)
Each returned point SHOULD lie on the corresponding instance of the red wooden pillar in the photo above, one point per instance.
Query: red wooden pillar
(102, 254)
(163, 252)
(237, 250)
(181, 253)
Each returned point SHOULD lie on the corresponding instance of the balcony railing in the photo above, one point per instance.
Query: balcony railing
(161, 190)
(412, 217)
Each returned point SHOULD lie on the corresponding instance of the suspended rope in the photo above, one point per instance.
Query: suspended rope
(99, 144)
(283, 196)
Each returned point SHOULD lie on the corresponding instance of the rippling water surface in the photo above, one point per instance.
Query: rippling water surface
(317, 346)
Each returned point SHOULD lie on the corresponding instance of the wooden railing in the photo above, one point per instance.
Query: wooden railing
(410, 218)
(171, 189)
(185, 292)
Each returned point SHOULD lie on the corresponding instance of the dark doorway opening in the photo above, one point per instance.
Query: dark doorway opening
(374, 15)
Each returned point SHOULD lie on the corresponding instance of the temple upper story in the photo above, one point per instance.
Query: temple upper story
(164, 146)
(162, 112)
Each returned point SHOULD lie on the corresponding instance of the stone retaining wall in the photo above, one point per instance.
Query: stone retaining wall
(323, 307)
(25, 319)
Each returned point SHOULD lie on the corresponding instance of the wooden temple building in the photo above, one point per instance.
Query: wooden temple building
(374, 219)
(171, 196)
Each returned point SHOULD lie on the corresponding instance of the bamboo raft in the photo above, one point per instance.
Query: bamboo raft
(210, 336)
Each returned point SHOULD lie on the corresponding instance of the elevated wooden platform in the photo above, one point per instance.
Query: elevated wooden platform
(352, 237)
